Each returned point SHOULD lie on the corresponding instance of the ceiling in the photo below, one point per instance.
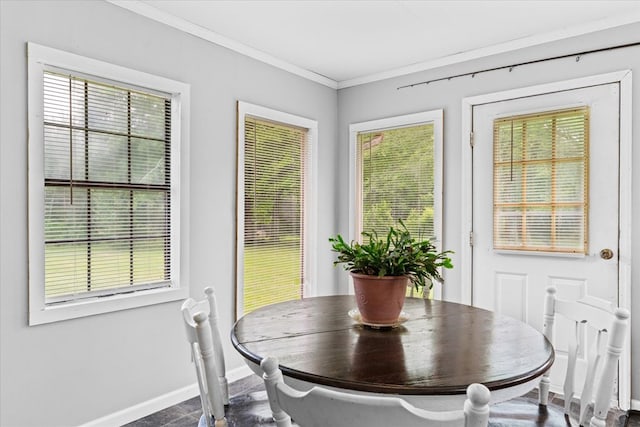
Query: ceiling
(343, 43)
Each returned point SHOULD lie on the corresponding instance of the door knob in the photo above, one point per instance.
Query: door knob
(606, 254)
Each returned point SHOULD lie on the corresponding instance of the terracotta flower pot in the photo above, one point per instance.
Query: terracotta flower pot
(379, 299)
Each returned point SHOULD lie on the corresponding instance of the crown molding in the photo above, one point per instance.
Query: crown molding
(535, 40)
(151, 12)
(146, 10)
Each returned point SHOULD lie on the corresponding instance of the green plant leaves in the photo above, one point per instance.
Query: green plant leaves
(398, 254)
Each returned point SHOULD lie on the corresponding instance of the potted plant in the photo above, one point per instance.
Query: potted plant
(382, 268)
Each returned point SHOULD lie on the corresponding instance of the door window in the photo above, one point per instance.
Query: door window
(540, 181)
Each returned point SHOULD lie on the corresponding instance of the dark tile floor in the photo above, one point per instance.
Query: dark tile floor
(249, 407)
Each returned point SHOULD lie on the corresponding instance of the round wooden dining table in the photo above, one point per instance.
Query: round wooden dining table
(430, 358)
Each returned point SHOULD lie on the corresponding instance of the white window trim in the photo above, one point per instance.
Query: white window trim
(310, 191)
(41, 58)
(437, 118)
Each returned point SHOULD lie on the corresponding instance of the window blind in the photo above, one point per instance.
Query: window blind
(107, 188)
(541, 169)
(274, 172)
(397, 179)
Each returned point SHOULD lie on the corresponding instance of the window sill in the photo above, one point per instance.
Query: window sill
(71, 310)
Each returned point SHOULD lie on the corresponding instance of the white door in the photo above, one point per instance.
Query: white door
(540, 234)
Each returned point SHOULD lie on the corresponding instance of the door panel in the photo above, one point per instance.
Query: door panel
(513, 282)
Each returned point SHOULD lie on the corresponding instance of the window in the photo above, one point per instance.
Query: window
(398, 174)
(540, 181)
(104, 153)
(274, 207)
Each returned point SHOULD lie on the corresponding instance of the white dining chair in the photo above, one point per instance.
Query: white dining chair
(609, 326)
(324, 407)
(201, 323)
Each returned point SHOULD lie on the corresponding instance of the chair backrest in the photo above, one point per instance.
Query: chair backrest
(324, 407)
(602, 361)
(201, 324)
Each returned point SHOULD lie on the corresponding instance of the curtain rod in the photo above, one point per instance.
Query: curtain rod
(512, 66)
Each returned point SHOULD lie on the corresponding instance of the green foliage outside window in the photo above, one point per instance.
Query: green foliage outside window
(274, 173)
(107, 187)
(398, 179)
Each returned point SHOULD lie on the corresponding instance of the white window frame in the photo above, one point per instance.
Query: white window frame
(434, 116)
(40, 59)
(310, 190)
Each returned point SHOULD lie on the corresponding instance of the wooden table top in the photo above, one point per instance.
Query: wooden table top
(440, 350)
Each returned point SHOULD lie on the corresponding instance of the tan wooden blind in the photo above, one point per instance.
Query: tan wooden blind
(107, 188)
(540, 181)
(396, 171)
(275, 159)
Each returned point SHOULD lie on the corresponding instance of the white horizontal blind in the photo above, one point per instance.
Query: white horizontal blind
(107, 188)
(275, 159)
(541, 169)
(397, 179)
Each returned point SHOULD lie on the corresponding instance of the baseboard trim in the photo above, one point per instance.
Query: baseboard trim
(635, 404)
(143, 409)
(159, 403)
(239, 373)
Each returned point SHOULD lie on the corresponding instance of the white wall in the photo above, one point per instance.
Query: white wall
(383, 99)
(72, 372)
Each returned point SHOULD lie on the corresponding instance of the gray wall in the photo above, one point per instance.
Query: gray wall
(383, 99)
(75, 371)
